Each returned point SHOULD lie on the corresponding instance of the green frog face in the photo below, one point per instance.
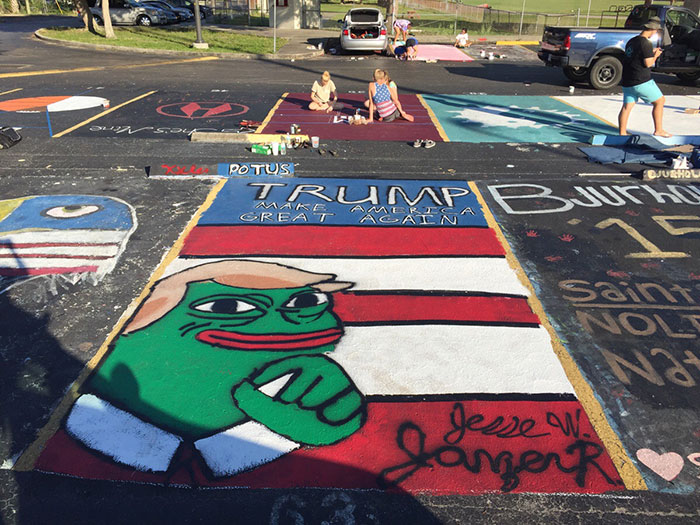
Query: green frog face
(279, 320)
(178, 371)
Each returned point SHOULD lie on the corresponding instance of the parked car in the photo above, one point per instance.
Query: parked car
(166, 14)
(363, 29)
(204, 11)
(183, 15)
(127, 12)
(595, 55)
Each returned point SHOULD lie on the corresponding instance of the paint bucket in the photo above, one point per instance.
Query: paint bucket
(482, 54)
(314, 142)
(275, 148)
(490, 56)
(571, 90)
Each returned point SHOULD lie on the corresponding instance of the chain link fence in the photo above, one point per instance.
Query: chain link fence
(448, 16)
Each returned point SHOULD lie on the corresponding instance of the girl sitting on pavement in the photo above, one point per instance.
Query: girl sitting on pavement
(321, 94)
(384, 100)
(392, 86)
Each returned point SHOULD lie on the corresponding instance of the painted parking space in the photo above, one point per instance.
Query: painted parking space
(174, 115)
(358, 334)
(293, 109)
(493, 118)
(52, 111)
(615, 267)
(676, 120)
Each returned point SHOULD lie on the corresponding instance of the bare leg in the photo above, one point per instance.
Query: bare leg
(624, 117)
(315, 106)
(657, 113)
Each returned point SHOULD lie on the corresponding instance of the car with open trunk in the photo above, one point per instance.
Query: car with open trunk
(363, 29)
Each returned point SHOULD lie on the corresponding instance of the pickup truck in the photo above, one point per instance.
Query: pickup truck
(595, 55)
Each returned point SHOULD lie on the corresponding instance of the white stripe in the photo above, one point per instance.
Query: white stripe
(449, 359)
(490, 275)
(242, 447)
(121, 435)
(67, 236)
(49, 251)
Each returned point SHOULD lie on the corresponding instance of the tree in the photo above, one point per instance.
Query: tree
(84, 12)
(107, 20)
(14, 6)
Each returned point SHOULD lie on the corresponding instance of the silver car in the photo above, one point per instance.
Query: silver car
(363, 29)
(128, 12)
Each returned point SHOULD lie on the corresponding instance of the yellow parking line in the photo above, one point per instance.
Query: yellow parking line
(28, 458)
(268, 118)
(517, 42)
(434, 119)
(65, 132)
(629, 473)
(11, 91)
(102, 68)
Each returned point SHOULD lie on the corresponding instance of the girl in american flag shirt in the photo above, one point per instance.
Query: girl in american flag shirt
(384, 100)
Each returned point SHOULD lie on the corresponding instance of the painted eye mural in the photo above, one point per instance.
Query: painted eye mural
(62, 234)
(70, 212)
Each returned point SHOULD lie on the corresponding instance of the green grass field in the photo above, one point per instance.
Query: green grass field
(171, 39)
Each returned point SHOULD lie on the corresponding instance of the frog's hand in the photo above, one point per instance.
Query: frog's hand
(318, 405)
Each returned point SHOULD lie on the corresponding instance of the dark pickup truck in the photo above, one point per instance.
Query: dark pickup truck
(595, 55)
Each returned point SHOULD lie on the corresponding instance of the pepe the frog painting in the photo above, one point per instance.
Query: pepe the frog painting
(230, 359)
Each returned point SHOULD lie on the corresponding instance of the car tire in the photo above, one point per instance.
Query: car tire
(576, 74)
(690, 78)
(605, 73)
(97, 20)
(143, 20)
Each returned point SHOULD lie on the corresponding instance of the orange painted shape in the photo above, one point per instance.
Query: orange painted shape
(31, 104)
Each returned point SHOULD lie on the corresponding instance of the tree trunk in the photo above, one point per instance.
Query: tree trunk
(14, 6)
(81, 6)
(106, 20)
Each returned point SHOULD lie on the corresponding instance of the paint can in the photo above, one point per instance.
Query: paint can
(314, 142)
(571, 90)
(482, 54)
(275, 148)
(490, 56)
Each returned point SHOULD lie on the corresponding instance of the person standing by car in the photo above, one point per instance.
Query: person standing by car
(321, 94)
(401, 27)
(640, 56)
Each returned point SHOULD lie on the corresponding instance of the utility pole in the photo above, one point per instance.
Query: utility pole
(199, 43)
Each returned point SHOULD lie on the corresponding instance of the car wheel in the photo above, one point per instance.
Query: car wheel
(576, 74)
(143, 20)
(605, 73)
(688, 77)
(97, 20)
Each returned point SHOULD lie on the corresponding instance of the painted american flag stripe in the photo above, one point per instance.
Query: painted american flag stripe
(341, 241)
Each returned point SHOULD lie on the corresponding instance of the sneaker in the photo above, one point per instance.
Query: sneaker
(429, 143)
(418, 143)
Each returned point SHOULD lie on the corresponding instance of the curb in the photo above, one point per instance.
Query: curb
(167, 52)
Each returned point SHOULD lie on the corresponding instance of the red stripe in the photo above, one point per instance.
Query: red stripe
(269, 342)
(15, 272)
(341, 241)
(385, 308)
(443, 450)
